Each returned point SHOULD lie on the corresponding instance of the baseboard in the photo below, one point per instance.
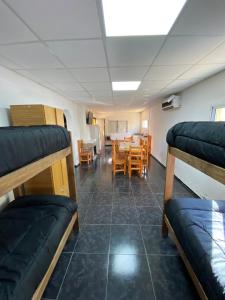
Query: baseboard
(178, 179)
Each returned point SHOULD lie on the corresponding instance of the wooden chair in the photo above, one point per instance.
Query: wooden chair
(149, 144)
(135, 160)
(145, 157)
(118, 160)
(84, 155)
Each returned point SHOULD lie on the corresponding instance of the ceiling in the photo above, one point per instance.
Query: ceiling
(62, 46)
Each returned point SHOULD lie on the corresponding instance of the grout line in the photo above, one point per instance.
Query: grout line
(73, 253)
(107, 275)
(146, 256)
(64, 277)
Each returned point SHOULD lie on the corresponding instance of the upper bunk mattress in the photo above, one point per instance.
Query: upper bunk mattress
(21, 145)
(205, 140)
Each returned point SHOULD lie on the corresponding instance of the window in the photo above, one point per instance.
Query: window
(117, 127)
(145, 124)
(218, 113)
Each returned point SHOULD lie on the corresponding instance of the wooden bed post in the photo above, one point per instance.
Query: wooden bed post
(168, 192)
(71, 179)
(71, 173)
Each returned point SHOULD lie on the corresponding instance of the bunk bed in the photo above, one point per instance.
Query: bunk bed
(33, 229)
(197, 225)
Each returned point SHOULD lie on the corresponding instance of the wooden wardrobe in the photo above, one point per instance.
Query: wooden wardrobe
(53, 180)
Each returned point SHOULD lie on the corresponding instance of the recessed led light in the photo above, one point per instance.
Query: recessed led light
(125, 85)
(140, 17)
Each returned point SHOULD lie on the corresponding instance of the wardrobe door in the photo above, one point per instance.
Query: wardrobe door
(59, 169)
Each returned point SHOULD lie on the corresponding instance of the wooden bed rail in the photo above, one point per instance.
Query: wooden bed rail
(19, 176)
(207, 168)
(216, 172)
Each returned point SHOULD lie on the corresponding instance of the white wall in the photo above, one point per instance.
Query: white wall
(145, 115)
(133, 118)
(15, 89)
(196, 102)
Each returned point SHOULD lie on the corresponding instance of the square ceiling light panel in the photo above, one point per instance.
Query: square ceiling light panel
(125, 85)
(140, 17)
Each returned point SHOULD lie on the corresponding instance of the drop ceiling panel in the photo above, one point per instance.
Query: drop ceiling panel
(201, 17)
(96, 86)
(128, 74)
(57, 19)
(83, 53)
(68, 86)
(202, 71)
(186, 49)
(133, 51)
(101, 93)
(91, 74)
(32, 55)
(180, 84)
(154, 85)
(51, 75)
(7, 63)
(216, 57)
(13, 29)
(77, 94)
(166, 72)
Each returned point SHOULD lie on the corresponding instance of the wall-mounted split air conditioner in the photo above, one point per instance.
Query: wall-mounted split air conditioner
(171, 102)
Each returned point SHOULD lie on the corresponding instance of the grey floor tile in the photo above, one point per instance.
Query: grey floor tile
(170, 278)
(72, 240)
(84, 198)
(146, 199)
(129, 278)
(124, 215)
(56, 280)
(126, 239)
(102, 198)
(123, 199)
(86, 278)
(149, 215)
(93, 239)
(98, 215)
(82, 209)
(155, 243)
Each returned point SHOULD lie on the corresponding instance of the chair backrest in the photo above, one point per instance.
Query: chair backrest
(115, 149)
(80, 145)
(136, 153)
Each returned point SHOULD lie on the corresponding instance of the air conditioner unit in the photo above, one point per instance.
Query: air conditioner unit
(171, 102)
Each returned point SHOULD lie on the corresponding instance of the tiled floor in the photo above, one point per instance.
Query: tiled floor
(119, 253)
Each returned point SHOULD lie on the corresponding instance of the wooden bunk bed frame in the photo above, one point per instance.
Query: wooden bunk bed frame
(14, 181)
(207, 168)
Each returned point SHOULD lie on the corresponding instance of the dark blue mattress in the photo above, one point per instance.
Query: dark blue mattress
(205, 140)
(22, 145)
(200, 228)
(31, 228)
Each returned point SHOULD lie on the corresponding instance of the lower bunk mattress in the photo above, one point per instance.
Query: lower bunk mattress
(199, 226)
(205, 140)
(31, 228)
(21, 145)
